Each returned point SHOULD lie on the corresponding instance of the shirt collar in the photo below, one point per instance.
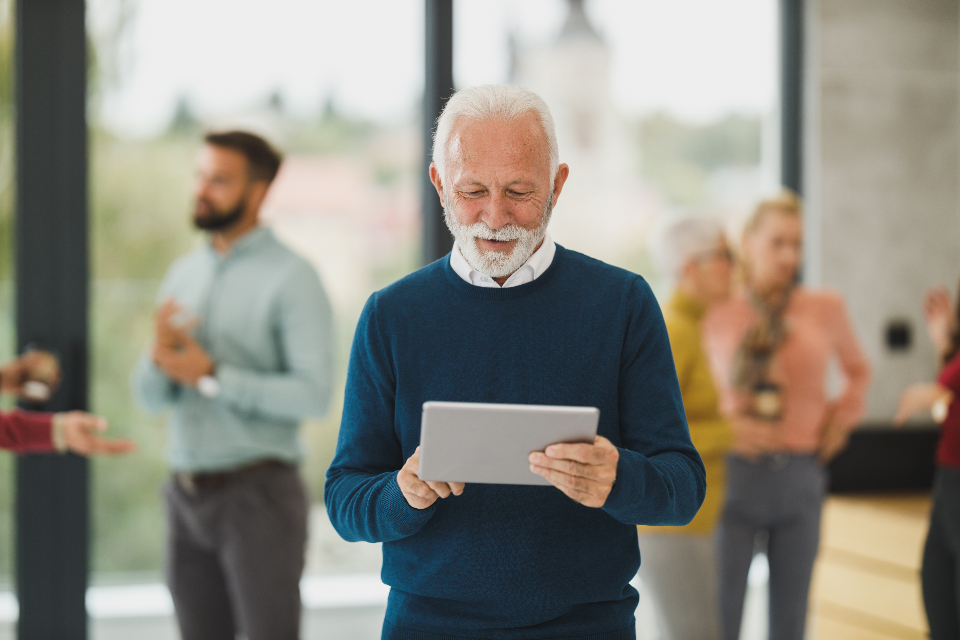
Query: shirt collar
(532, 269)
(249, 240)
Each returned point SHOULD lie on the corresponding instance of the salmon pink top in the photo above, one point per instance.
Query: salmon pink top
(818, 330)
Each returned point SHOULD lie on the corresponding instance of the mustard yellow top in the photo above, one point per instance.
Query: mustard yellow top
(708, 430)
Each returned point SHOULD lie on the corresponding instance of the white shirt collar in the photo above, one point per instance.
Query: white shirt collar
(532, 269)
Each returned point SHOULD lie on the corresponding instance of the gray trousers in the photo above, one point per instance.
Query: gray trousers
(780, 496)
(235, 555)
(680, 574)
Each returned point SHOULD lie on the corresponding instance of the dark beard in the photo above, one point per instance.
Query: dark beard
(218, 220)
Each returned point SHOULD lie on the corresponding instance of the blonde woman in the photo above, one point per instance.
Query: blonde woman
(770, 347)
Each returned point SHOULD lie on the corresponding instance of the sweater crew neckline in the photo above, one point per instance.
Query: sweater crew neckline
(503, 293)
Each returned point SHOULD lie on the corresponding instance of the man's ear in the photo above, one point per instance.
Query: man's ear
(563, 172)
(437, 182)
(258, 193)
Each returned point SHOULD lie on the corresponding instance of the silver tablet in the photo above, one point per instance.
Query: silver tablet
(490, 443)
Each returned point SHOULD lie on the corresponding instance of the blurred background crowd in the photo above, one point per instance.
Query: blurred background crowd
(664, 111)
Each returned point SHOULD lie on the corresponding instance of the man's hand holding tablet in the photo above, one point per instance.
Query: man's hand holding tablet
(585, 472)
(420, 494)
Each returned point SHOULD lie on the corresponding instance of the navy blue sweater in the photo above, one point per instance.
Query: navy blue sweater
(512, 561)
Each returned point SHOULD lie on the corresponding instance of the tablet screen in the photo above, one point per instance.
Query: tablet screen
(491, 443)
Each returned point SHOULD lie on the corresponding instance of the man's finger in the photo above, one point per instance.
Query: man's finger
(440, 488)
(566, 466)
(423, 490)
(579, 452)
(444, 489)
(558, 479)
(573, 488)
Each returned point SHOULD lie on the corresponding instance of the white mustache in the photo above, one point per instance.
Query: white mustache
(503, 234)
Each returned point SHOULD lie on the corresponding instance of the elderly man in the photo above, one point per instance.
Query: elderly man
(511, 317)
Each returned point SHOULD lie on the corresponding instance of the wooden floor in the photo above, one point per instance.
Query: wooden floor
(866, 584)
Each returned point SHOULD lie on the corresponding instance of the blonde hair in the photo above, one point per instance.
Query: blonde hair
(786, 201)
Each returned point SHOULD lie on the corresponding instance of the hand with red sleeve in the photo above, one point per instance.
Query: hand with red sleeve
(76, 431)
(80, 432)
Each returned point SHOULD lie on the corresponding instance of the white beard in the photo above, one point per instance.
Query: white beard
(497, 264)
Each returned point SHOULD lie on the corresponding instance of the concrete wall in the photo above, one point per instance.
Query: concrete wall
(881, 169)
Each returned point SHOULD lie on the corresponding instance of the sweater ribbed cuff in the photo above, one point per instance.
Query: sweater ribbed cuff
(623, 497)
(395, 510)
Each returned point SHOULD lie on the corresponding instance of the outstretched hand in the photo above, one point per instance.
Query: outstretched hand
(585, 472)
(418, 493)
(918, 397)
(81, 434)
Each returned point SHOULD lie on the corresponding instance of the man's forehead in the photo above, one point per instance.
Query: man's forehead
(525, 129)
(476, 145)
(221, 158)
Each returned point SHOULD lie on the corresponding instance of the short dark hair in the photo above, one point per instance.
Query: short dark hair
(263, 159)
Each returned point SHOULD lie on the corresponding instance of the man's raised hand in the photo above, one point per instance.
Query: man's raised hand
(585, 472)
(420, 494)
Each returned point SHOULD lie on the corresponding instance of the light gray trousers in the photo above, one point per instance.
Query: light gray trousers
(680, 574)
(235, 555)
(780, 496)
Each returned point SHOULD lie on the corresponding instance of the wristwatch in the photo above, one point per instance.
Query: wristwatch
(940, 408)
(208, 386)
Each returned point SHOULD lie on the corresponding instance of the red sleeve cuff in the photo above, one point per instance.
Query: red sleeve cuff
(26, 432)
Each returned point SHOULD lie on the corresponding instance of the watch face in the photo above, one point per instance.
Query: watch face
(939, 410)
(208, 386)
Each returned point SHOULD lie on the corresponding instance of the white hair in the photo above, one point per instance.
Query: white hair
(503, 102)
(682, 240)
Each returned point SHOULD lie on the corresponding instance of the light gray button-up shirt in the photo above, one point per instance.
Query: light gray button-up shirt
(266, 322)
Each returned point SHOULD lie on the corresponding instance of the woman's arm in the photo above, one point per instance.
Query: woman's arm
(848, 408)
(919, 397)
